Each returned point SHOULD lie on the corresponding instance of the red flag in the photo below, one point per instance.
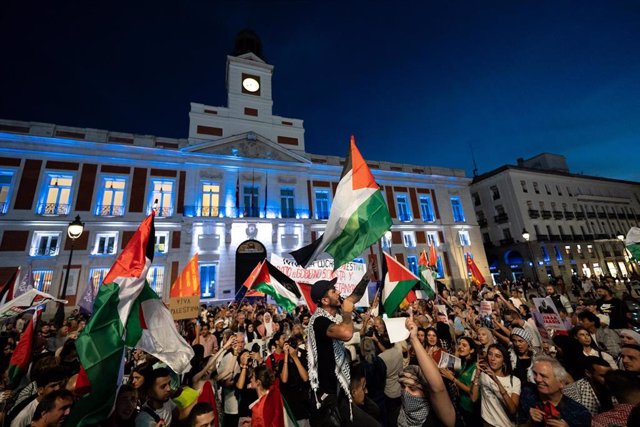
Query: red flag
(433, 256)
(272, 410)
(305, 290)
(253, 276)
(188, 283)
(21, 358)
(476, 275)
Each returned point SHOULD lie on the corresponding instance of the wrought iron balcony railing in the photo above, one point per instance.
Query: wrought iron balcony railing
(110, 210)
(53, 209)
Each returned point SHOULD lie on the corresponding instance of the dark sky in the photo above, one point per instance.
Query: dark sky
(415, 81)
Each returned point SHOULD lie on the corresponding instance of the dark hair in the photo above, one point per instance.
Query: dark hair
(590, 317)
(632, 346)
(243, 351)
(505, 355)
(143, 369)
(605, 288)
(513, 313)
(474, 348)
(590, 362)
(49, 375)
(265, 376)
(154, 375)
(357, 374)
(48, 402)
(198, 409)
(622, 384)
(574, 331)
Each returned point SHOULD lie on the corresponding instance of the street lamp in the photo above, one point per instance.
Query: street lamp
(74, 230)
(388, 235)
(526, 236)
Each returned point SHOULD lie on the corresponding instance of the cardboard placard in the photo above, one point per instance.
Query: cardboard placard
(184, 307)
(550, 317)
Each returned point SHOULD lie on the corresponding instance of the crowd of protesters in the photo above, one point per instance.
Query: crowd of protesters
(337, 366)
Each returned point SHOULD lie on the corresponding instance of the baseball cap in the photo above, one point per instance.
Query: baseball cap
(320, 289)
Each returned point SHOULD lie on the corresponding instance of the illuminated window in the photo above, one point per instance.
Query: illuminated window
(409, 238)
(403, 208)
(106, 243)
(208, 275)
(96, 277)
(251, 201)
(287, 209)
(322, 204)
(45, 243)
(155, 278)
(6, 178)
(56, 195)
(113, 197)
(456, 207)
(42, 280)
(162, 242)
(463, 236)
(161, 197)
(432, 238)
(209, 198)
(426, 208)
(412, 263)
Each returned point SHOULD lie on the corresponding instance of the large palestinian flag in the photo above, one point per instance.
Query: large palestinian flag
(397, 284)
(359, 215)
(632, 242)
(271, 281)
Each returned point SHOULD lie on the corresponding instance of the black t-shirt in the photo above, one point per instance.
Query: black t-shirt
(246, 396)
(616, 310)
(296, 391)
(328, 382)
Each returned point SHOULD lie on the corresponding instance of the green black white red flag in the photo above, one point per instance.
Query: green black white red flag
(397, 284)
(359, 215)
(266, 278)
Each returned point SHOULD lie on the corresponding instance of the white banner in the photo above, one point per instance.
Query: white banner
(549, 313)
(349, 275)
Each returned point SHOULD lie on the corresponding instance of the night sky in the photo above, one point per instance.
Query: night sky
(428, 78)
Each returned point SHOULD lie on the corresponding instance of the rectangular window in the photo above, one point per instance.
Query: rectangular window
(162, 242)
(412, 263)
(545, 254)
(426, 208)
(476, 199)
(208, 280)
(440, 268)
(113, 197)
(409, 239)
(45, 244)
(567, 250)
(523, 184)
(590, 249)
(569, 192)
(96, 276)
(432, 238)
(558, 190)
(56, 197)
(6, 178)
(106, 243)
(506, 232)
(579, 249)
(209, 199)
(162, 191)
(251, 201)
(558, 253)
(495, 193)
(456, 207)
(287, 209)
(403, 208)
(322, 204)
(42, 280)
(535, 188)
(463, 236)
(547, 189)
(155, 277)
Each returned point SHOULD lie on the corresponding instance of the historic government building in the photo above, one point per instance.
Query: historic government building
(240, 186)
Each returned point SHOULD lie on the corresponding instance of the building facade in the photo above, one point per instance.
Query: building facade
(240, 187)
(572, 221)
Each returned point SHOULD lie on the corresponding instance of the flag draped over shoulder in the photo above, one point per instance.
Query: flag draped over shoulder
(476, 275)
(359, 215)
(21, 357)
(632, 242)
(427, 282)
(271, 281)
(101, 344)
(397, 284)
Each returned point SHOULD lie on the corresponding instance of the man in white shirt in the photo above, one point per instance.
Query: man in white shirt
(47, 381)
(159, 406)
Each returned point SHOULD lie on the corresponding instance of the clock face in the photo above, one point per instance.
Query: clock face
(250, 84)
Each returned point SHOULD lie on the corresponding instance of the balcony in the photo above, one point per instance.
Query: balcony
(508, 241)
(566, 237)
(543, 237)
(405, 217)
(546, 214)
(322, 215)
(501, 218)
(110, 210)
(53, 209)
(591, 215)
(580, 215)
(164, 211)
(569, 215)
(554, 237)
(557, 215)
(534, 213)
(482, 222)
(204, 211)
(44, 251)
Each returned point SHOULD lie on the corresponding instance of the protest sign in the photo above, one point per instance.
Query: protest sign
(549, 313)
(396, 329)
(448, 361)
(486, 308)
(184, 307)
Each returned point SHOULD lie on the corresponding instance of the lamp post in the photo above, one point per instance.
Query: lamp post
(526, 236)
(74, 230)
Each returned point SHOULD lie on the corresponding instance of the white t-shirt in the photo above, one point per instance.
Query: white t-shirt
(165, 413)
(229, 363)
(23, 419)
(493, 407)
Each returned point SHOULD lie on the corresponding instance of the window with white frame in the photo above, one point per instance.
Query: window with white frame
(208, 280)
(6, 180)
(162, 242)
(96, 277)
(161, 198)
(456, 207)
(323, 204)
(113, 196)
(287, 207)
(42, 280)
(402, 203)
(45, 243)
(55, 198)
(432, 238)
(106, 243)
(251, 201)
(409, 239)
(210, 198)
(463, 236)
(426, 208)
(412, 263)
(155, 278)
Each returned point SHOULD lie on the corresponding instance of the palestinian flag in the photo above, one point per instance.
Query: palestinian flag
(272, 410)
(101, 344)
(305, 290)
(476, 275)
(6, 290)
(21, 357)
(359, 216)
(397, 285)
(427, 282)
(632, 242)
(271, 281)
(249, 281)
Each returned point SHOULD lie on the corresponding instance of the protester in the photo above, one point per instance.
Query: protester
(159, 406)
(53, 409)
